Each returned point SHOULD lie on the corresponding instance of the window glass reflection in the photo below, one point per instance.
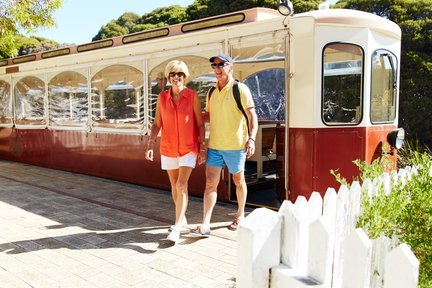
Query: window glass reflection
(383, 90)
(6, 114)
(342, 84)
(267, 88)
(29, 101)
(117, 98)
(68, 99)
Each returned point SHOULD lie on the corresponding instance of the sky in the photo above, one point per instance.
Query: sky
(78, 21)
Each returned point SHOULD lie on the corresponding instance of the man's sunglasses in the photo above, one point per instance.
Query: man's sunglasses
(220, 65)
(179, 74)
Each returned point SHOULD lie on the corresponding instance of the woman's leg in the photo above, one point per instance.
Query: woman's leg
(182, 194)
(173, 176)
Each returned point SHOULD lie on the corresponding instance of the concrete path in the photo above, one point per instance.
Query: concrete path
(60, 229)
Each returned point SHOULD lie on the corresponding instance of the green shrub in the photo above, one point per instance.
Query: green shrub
(405, 211)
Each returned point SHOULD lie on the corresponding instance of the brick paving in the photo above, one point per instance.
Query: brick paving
(61, 229)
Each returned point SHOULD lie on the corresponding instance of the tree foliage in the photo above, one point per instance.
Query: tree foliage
(206, 8)
(27, 16)
(112, 29)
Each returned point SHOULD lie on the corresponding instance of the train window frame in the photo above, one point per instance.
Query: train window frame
(392, 81)
(26, 118)
(72, 110)
(348, 65)
(6, 103)
(120, 90)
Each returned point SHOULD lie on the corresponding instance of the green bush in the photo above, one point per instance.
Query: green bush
(405, 211)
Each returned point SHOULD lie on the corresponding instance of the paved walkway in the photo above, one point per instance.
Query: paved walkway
(60, 229)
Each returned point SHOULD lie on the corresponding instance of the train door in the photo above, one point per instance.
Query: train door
(260, 64)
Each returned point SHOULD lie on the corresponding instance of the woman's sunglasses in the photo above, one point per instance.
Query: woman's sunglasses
(179, 74)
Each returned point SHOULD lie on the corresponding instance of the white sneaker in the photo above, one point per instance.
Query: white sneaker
(183, 224)
(174, 235)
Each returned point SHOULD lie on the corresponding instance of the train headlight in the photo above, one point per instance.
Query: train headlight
(396, 138)
(285, 7)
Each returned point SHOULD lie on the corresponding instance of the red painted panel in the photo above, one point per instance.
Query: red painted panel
(300, 162)
(377, 136)
(314, 152)
(336, 149)
(114, 156)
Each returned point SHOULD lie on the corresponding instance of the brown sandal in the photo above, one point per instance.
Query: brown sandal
(234, 225)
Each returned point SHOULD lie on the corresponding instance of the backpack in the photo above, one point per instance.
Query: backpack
(236, 94)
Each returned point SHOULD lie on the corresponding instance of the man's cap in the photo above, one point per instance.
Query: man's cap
(223, 57)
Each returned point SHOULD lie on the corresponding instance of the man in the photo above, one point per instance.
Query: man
(230, 141)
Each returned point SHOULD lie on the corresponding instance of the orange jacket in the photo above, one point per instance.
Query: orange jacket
(179, 126)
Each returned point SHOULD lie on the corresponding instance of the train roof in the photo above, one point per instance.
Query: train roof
(342, 17)
(243, 16)
(353, 18)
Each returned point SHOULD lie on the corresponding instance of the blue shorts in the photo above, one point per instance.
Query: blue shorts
(233, 159)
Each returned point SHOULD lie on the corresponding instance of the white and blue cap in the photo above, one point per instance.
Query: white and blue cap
(223, 57)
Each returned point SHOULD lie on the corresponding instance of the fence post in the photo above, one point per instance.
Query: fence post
(258, 248)
(320, 258)
(401, 268)
(330, 207)
(356, 260)
(290, 234)
(302, 208)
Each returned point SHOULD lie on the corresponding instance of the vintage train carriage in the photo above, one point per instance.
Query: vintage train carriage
(325, 85)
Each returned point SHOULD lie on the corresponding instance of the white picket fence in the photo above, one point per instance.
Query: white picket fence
(315, 244)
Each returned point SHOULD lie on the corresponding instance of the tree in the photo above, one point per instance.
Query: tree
(27, 16)
(128, 20)
(166, 15)
(415, 21)
(206, 8)
(112, 29)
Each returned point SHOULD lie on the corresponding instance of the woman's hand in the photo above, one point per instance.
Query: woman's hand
(149, 154)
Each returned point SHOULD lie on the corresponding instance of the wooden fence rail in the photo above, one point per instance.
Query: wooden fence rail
(315, 244)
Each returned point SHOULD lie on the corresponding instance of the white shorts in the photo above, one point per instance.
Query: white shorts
(171, 163)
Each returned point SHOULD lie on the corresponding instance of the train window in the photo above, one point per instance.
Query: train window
(202, 85)
(158, 83)
(259, 62)
(342, 84)
(383, 90)
(201, 77)
(29, 101)
(117, 97)
(267, 88)
(270, 48)
(68, 100)
(6, 113)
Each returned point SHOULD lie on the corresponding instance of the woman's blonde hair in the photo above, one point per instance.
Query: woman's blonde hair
(176, 66)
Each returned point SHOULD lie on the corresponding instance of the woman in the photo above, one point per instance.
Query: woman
(178, 114)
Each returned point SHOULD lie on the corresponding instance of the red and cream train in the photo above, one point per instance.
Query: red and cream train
(325, 84)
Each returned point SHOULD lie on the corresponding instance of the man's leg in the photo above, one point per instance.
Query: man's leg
(241, 192)
(210, 194)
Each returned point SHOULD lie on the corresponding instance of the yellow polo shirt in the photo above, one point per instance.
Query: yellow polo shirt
(228, 129)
